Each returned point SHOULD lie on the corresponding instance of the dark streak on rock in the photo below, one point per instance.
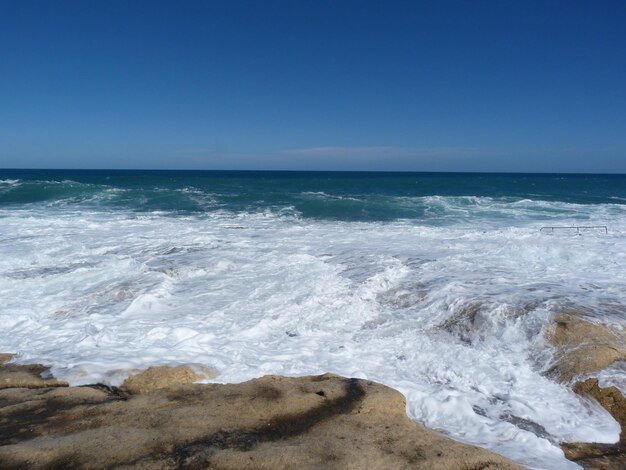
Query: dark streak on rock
(109, 390)
(278, 428)
(18, 425)
(22, 423)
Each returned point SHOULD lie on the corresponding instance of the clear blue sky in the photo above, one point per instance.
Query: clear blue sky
(323, 85)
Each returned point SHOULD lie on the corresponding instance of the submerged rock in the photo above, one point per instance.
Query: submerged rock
(28, 376)
(154, 378)
(5, 357)
(273, 422)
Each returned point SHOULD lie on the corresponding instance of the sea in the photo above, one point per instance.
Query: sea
(367, 275)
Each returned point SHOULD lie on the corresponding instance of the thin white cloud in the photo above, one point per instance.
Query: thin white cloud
(198, 151)
(381, 151)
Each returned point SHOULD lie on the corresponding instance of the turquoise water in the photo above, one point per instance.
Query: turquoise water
(318, 195)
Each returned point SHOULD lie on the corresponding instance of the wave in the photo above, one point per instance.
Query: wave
(436, 200)
(76, 195)
(476, 211)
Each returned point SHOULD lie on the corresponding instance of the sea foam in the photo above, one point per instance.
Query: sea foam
(451, 315)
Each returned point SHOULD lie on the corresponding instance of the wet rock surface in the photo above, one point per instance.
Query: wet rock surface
(28, 376)
(583, 347)
(601, 456)
(273, 422)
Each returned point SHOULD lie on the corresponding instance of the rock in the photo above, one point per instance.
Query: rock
(163, 376)
(27, 376)
(596, 456)
(583, 347)
(315, 422)
(601, 456)
(609, 397)
(5, 357)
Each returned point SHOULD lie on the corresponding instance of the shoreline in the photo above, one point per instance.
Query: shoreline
(43, 420)
(159, 419)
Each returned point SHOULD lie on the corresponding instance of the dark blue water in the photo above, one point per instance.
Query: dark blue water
(320, 195)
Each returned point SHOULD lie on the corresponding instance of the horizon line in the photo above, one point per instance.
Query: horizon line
(316, 171)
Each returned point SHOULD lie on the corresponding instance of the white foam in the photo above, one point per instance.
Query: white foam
(614, 376)
(323, 195)
(451, 316)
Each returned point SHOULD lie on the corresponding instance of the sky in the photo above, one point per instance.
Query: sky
(519, 86)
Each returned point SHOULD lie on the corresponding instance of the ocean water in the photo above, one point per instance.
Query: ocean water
(439, 285)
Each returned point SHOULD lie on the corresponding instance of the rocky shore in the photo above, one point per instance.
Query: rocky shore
(159, 420)
(584, 348)
(601, 456)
